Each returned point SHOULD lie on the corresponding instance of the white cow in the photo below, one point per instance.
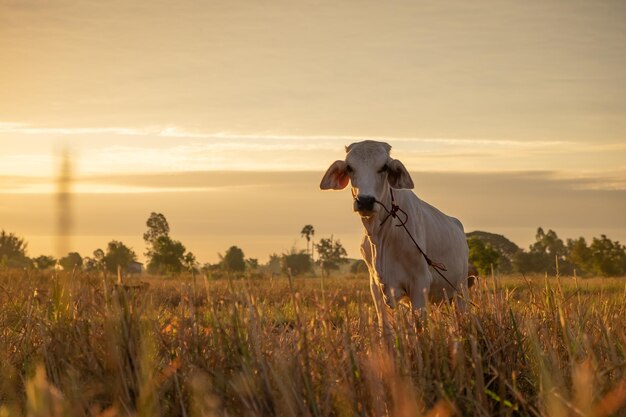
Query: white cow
(398, 271)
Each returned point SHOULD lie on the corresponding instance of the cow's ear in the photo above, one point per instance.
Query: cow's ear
(336, 177)
(398, 176)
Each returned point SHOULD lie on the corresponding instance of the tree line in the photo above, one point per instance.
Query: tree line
(164, 254)
(330, 256)
(487, 252)
(167, 256)
(548, 254)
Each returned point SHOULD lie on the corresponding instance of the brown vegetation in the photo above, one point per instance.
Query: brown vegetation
(79, 345)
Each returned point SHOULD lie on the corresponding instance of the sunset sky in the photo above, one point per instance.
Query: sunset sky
(223, 115)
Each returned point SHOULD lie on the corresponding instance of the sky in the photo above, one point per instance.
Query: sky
(224, 115)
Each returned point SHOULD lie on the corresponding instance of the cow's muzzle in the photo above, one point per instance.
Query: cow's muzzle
(364, 204)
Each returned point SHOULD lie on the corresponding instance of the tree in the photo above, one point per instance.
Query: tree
(89, 264)
(98, 257)
(118, 255)
(542, 255)
(608, 258)
(308, 231)
(252, 263)
(359, 267)
(331, 254)
(189, 262)
(482, 255)
(296, 262)
(157, 227)
(13, 251)
(548, 243)
(506, 249)
(579, 255)
(164, 254)
(71, 260)
(167, 256)
(274, 264)
(233, 260)
(43, 262)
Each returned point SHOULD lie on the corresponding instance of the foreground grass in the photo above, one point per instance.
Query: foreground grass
(78, 345)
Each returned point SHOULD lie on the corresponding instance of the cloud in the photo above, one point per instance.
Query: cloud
(153, 149)
(178, 132)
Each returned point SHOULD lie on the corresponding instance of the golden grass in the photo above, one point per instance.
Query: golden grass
(79, 345)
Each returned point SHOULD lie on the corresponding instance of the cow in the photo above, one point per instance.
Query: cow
(400, 273)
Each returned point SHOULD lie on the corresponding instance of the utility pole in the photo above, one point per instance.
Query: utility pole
(64, 205)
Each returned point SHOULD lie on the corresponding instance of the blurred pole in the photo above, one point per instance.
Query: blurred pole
(64, 205)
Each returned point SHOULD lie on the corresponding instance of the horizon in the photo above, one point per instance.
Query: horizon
(206, 236)
(225, 115)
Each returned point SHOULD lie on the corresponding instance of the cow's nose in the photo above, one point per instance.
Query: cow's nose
(365, 203)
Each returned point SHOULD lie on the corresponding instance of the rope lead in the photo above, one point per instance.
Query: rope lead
(437, 266)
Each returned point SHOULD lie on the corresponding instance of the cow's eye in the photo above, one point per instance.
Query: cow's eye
(349, 168)
(383, 169)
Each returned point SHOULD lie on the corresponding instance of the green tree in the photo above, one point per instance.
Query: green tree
(118, 255)
(542, 255)
(579, 255)
(608, 258)
(549, 244)
(44, 262)
(164, 254)
(296, 262)
(157, 227)
(189, 262)
(482, 255)
(330, 254)
(506, 249)
(167, 256)
(71, 261)
(13, 251)
(308, 231)
(233, 260)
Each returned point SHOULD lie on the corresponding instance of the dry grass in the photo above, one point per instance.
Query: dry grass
(76, 345)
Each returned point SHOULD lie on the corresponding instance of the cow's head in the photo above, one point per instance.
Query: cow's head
(371, 171)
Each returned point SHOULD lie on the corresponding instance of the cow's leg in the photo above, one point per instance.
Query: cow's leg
(419, 291)
(381, 308)
(368, 252)
(461, 298)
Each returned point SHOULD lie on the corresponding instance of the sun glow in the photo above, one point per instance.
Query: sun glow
(29, 151)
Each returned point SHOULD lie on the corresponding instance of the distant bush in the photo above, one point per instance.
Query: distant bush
(233, 260)
(44, 262)
(331, 254)
(359, 267)
(71, 261)
(298, 262)
(482, 255)
(505, 249)
(118, 255)
(13, 251)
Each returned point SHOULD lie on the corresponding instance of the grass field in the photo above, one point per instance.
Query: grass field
(191, 346)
